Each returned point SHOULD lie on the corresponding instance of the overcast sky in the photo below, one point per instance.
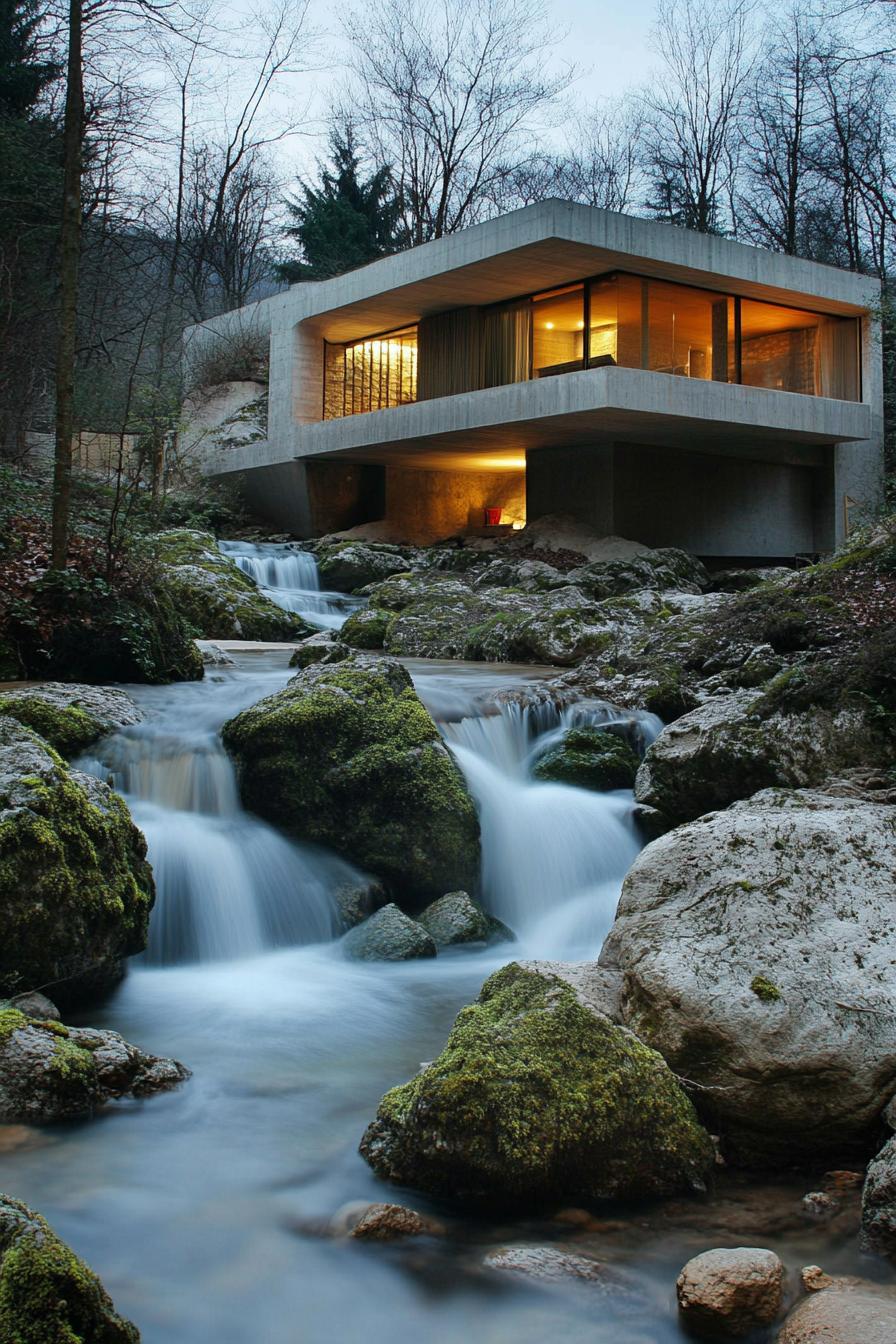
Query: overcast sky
(606, 39)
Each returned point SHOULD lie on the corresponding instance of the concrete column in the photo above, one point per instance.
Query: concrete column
(859, 467)
(577, 481)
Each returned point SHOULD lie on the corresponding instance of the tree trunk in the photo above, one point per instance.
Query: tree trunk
(69, 258)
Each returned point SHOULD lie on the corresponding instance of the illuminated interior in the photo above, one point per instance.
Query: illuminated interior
(631, 321)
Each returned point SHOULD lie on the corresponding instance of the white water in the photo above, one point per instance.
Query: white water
(199, 1209)
(228, 885)
(289, 577)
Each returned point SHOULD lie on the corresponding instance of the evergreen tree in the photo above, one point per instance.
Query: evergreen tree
(346, 220)
(23, 74)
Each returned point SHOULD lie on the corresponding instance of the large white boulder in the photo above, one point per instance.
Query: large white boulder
(757, 956)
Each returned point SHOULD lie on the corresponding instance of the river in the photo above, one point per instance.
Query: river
(203, 1210)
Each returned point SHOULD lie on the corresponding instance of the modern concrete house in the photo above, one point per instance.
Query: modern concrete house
(662, 385)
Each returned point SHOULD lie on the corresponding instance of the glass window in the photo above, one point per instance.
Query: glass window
(690, 332)
(791, 350)
(370, 375)
(558, 331)
(616, 305)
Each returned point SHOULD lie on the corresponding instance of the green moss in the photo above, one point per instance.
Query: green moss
(11, 1020)
(348, 757)
(366, 629)
(589, 758)
(48, 1295)
(764, 989)
(75, 887)
(69, 729)
(535, 1097)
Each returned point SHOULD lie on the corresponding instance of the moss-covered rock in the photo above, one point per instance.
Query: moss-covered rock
(366, 629)
(456, 918)
(323, 647)
(215, 596)
(388, 935)
(349, 566)
(50, 1072)
(589, 758)
(75, 887)
(48, 1295)
(538, 1096)
(70, 717)
(347, 756)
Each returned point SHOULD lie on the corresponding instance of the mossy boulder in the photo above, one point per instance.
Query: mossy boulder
(215, 596)
(456, 918)
(75, 887)
(589, 758)
(70, 717)
(536, 1097)
(347, 756)
(348, 566)
(323, 647)
(366, 629)
(47, 1294)
(51, 1072)
(755, 953)
(388, 935)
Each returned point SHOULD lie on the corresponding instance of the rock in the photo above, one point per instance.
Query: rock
(563, 532)
(813, 1278)
(535, 1097)
(347, 756)
(389, 935)
(456, 918)
(726, 750)
(215, 596)
(213, 655)
(366, 629)
(850, 1311)
(820, 1204)
(346, 567)
(552, 1264)
(512, 571)
(754, 955)
(389, 1222)
(664, 569)
(879, 1203)
(48, 1295)
(322, 647)
(589, 758)
(50, 1072)
(75, 887)
(731, 1292)
(70, 717)
(357, 901)
(740, 580)
(33, 1005)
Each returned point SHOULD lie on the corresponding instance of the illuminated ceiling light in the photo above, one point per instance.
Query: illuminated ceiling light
(549, 326)
(580, 325)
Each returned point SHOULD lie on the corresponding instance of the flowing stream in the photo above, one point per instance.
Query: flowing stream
(203, 1210)
(288, 575)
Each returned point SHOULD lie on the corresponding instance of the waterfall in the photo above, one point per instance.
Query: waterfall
(289, 577)
(227, 884)
(553, 856)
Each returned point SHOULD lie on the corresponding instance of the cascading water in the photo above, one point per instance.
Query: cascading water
(553, 856)
(228, 885)
(289, 576)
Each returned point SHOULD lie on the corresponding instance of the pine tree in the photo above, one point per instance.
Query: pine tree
(346, 220)
(23, 74)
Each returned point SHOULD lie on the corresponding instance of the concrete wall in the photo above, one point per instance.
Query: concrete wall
(710, 505)
(714, 506)
(429, 505)
(577, 481)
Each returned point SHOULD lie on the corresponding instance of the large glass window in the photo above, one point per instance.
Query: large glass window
(370, 375)
(558, 331)
(623, 319)
(796, 351)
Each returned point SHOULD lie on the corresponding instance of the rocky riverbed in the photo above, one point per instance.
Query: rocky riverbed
(689, 1047)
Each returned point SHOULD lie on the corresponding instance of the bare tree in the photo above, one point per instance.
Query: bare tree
(693, 107)
(452, 95)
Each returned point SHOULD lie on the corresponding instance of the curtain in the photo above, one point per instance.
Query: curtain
(836, 359)
(506, 339)
(449, 353)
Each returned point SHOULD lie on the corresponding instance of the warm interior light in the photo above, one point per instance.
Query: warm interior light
(549, 326)
(580, 325)
(517, 525)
